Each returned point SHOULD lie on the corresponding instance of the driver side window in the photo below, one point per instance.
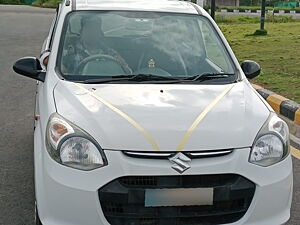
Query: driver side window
(85, 50)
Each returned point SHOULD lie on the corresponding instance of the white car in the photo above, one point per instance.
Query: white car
(145, 117)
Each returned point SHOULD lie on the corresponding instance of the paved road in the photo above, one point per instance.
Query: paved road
(22, 30)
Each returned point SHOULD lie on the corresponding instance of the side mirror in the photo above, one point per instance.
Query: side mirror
(30, 67)
(251, 69)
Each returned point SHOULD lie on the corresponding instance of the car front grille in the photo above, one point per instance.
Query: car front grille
(123, 200)
(166, 155)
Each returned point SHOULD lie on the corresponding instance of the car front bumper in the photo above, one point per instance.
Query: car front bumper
(68, 196)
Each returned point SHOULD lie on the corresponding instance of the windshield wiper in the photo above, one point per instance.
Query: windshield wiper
(208, 76)
(134, 77)
(145, 78)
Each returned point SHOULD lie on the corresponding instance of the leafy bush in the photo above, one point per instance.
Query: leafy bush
(46, 3)
(37, 3)
(248, 19)
(279, 19)
(270, 18)
(243, 8)
(12, 2)
(260, 32)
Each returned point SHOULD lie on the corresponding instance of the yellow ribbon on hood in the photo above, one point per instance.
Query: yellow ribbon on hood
(139, 127)
(148, 137)
(201, 116)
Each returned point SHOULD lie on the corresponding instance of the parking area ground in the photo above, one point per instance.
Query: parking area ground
(22, 30)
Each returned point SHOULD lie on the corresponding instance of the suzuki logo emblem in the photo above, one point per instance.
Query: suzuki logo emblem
(180, 162)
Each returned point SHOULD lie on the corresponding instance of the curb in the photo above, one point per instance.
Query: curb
(287, 109)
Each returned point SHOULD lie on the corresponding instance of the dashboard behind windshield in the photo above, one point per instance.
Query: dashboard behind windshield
(102, 44)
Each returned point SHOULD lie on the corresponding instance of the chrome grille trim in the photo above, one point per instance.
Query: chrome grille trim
(165, 155)
(161, 155)
(208, 153)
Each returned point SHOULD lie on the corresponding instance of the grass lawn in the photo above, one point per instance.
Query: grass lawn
(278, 53)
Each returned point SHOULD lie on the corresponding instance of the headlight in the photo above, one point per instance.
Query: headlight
(272, 143)
(71, 146)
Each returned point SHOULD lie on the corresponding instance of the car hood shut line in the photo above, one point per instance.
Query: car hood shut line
(168, 116)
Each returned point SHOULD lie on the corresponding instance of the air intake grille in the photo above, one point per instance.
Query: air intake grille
(123, 200)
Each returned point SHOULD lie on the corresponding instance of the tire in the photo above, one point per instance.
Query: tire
(37, 218)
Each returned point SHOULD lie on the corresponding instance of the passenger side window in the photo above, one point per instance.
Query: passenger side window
(214, 49)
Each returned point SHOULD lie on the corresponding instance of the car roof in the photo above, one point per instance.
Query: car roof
(174, 6)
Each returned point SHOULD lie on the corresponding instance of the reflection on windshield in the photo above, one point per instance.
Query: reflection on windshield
(107, 44)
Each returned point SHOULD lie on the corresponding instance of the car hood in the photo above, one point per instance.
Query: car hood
(117, 117)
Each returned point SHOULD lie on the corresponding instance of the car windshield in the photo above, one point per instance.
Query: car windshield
(111, 45)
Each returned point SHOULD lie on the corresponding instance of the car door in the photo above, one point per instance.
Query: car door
(46, 47)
